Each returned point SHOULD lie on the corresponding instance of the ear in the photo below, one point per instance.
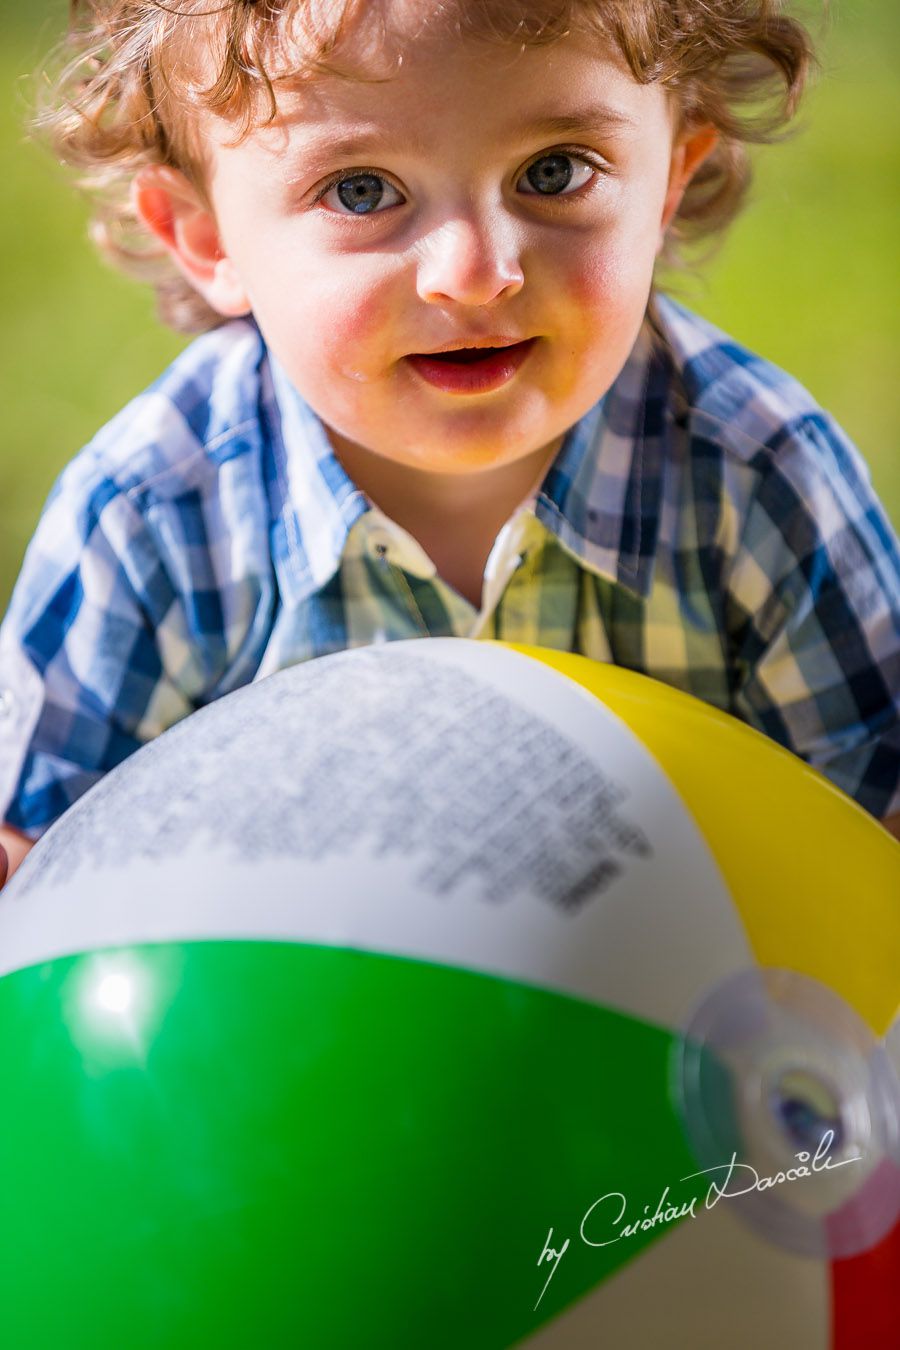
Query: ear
(691, 148)
(172, 209)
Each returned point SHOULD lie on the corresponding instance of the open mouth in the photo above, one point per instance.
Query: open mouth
(471, 370)
(469, 355)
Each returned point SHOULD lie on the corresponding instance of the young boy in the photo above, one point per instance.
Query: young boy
(438, 394)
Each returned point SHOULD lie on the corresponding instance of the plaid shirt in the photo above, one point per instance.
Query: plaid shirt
(705, 523)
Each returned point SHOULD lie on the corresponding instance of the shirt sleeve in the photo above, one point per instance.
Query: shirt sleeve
(89, 652)
(814, 605)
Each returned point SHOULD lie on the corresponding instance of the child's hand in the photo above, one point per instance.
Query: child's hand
(13, 847)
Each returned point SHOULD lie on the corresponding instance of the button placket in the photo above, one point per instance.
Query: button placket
(398, 576)
(411, 602)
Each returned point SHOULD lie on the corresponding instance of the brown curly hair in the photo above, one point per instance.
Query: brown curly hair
(130, 89)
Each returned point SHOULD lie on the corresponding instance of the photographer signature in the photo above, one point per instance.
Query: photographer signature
(606, 1214)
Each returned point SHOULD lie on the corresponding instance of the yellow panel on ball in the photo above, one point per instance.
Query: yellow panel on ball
(821, 895)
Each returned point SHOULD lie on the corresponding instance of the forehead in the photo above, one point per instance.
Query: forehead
(401, 67)
(374, 29)
(372, 40)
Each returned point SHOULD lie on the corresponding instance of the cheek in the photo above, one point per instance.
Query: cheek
(349, 323)
(326, 313)
(610, 284)
(606, 292)
(621, 254)
(353, 323)
(341, 340)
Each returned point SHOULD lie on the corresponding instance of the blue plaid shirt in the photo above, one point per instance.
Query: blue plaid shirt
(705, 523)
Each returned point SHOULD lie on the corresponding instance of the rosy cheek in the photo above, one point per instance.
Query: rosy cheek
(615, 282)
(354, 327)
(592, 291)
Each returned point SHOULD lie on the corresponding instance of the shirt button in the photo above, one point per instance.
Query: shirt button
(7, 702)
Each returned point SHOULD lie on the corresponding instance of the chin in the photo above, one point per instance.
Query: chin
(492, 444)
(460, 460)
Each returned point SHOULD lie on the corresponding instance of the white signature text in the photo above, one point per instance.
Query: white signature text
(604, 1223)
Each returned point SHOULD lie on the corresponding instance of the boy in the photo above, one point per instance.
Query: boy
(438, 394)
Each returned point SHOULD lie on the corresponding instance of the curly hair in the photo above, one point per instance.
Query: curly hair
(135, 77)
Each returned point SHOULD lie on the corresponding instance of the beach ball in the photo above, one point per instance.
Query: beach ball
(445, 994)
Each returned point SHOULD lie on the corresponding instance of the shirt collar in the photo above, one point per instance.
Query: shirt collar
(600, 497)
(314, 502)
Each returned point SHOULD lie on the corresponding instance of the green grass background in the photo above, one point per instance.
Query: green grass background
(808, 276)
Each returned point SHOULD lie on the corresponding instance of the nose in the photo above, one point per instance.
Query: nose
(469, 261)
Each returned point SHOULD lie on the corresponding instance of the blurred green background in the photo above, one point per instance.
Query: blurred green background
(807, 276)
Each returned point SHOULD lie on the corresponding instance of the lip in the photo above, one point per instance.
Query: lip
(472, 377)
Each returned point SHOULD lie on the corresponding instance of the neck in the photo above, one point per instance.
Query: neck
(425, 503)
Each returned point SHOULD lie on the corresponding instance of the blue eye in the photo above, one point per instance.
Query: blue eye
(552, 175)
(361, 193)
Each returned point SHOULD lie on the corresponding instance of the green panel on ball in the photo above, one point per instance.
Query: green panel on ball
(255, 1143)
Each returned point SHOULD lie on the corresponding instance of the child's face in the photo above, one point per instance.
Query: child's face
(454, 243)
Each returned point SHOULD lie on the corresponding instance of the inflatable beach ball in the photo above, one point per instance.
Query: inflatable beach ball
(443, 994)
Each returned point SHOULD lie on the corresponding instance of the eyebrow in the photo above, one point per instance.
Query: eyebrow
(597, 116)
(583, 119)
